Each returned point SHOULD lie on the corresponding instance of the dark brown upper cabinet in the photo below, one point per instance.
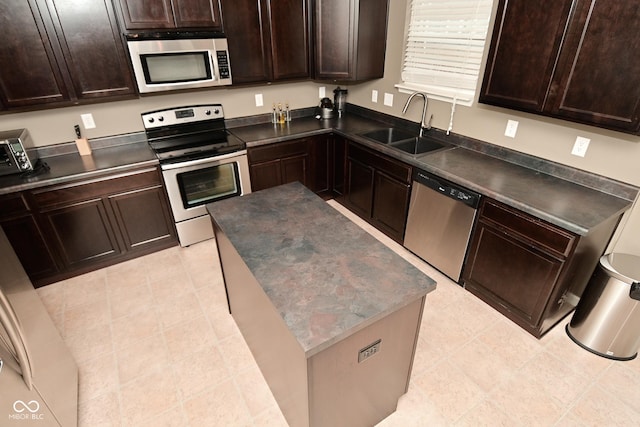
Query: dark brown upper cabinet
(171, 14)
(268, 40)
(55, 52)
(569, 59)
(350, 39)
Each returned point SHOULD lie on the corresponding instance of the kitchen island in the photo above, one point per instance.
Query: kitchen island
(330, 314)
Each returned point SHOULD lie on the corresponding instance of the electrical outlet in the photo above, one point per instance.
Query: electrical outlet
(87, 121)
(511, 129)
(259, 100)
(580, 146)
(322, 92)
(374, 96)
(369, 351)
(388, 99)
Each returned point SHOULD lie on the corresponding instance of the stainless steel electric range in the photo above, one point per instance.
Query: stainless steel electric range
(201, 162)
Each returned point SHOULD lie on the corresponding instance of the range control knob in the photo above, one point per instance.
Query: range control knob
(161, 119)
(151, 120)
(207, 112)
(216, 111)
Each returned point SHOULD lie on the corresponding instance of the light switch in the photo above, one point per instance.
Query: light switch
(388, 99)
(259, 100)
(87, 121)
(322, 91)
(374, 95)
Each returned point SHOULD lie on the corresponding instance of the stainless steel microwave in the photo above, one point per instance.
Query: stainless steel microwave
(17, 153)
(183, 61)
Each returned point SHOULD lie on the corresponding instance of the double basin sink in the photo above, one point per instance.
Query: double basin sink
(405, 141)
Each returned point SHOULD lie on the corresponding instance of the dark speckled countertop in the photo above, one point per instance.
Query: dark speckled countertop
(109, 155)
(326, 276)
(267, 133)
(571, 206)
(569, 198)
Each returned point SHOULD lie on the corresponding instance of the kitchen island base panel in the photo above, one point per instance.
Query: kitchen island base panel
(276, 351)
(329, 387)
(343, 391)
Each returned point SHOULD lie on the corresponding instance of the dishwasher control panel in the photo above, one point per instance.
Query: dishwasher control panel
(453, 191)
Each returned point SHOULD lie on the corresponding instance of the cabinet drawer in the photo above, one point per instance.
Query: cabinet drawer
(278, 150)
(386, 164)
(12, 205)
(89, 189)
(536, 230)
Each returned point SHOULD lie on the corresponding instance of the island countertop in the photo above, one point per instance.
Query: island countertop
(326, 276)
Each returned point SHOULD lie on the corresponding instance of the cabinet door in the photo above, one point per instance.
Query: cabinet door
(265, 175)
(30, 246)
(92, 47)
(334, 38)
(248, 36)
(359, 193)
(197, 13)
(289, 22)
(510, 274)
(147, 14)
(294, 169)
(143, 217)
(82, 232)
(598, 80)
(523, 52)
(321, 164)
(391, 204)
(267, 40)
(29, 72)
(339, 153)
(280, 163)
(350, 39)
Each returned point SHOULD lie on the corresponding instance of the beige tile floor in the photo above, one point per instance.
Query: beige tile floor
(156, 346)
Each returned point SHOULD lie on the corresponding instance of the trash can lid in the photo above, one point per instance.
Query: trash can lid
(625, 267)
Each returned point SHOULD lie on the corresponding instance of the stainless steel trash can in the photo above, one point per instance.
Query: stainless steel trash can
(607, 319)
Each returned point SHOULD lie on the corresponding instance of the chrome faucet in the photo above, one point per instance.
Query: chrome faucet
(423, 126)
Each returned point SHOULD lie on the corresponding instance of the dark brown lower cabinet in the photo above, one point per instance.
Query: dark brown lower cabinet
(30, 245)
(531, 271)
(378, 189)
(279, 163)
(338, 154)
(374, 186)
(82, 232)
(143, 217)
(307, 160)
(64, 230)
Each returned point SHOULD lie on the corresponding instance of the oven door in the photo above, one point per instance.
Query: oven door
(193, 184)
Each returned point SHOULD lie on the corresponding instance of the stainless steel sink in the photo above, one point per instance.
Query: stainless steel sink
(418, 145)
(405, 141)
(389, 135)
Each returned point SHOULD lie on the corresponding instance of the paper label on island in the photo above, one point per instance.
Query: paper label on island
(83, 147)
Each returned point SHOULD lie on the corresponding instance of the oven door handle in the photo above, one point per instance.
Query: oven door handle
(169, 166)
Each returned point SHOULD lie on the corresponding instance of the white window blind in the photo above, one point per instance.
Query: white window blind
(444, 47)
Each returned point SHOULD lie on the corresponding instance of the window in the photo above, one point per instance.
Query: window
(444, 48)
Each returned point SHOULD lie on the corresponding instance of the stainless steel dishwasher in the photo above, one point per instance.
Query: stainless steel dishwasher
(441, 216)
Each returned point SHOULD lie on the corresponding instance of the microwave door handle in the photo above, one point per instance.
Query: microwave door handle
(11, 324)
(213, 66)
